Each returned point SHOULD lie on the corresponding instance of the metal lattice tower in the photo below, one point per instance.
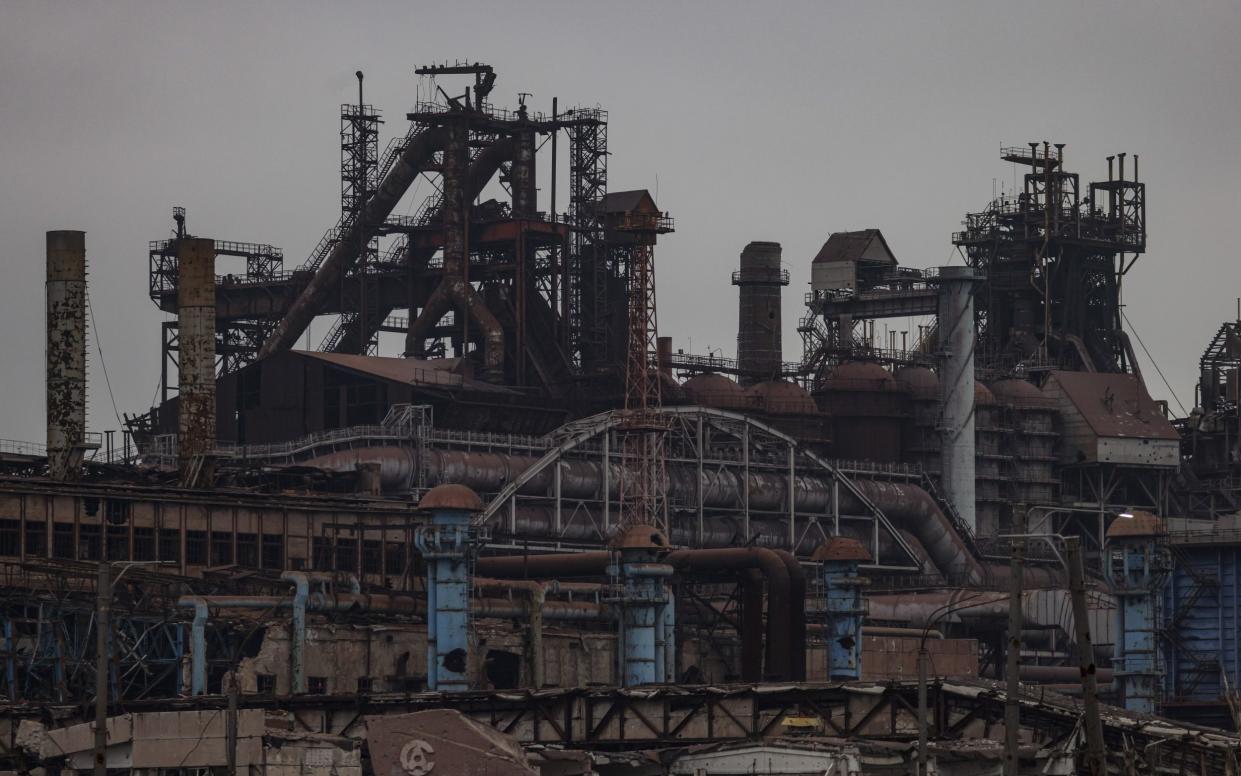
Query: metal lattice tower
(588, 184)
(644, 431)
(359, 179)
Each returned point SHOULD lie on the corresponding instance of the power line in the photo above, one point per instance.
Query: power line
(103, 364)
(1153, 362)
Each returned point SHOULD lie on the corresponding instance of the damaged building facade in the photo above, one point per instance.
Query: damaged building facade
(495, 510)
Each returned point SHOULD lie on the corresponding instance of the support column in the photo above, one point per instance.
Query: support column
(956, 384)
(841, 557)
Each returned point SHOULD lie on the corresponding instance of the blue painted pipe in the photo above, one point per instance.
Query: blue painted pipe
(644, 605)
(297, 648)
(845, 611)
(447, 544)
(198, 645)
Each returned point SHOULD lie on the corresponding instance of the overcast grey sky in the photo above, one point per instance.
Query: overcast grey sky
(756, 121)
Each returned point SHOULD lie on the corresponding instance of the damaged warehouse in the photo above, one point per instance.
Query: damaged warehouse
(541, 533)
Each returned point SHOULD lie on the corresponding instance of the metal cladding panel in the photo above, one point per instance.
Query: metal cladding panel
(833, 275)
(441, 741)
(1202, 609)
(1139, 452)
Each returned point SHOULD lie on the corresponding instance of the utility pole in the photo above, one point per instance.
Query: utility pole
(1012, 669)
(1096, 757)
(230, 730)
(103, 604)
(922, 705)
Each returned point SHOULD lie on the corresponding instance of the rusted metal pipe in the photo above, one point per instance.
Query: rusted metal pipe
(66, 353)
(751, 625)
(797, 615)
(769, 563)
(417, 156)
(461, 183)
(779, 650)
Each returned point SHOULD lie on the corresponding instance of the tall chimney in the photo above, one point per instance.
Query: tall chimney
(196, 372)
(956, 385)
(66, 353)
(760, 279)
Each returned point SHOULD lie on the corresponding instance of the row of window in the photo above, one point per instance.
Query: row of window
(202, 548)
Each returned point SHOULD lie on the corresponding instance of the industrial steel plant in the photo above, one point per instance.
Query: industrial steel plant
(541, 536)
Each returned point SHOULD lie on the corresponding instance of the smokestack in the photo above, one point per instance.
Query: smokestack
(759, 354)
(525, 192)
(956, 385)
(196, 372)
(663, 356)
(66, 353)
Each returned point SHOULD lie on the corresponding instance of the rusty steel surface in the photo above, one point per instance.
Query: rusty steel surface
(1139, 524)
(196, 373)
(65, 351)
(451, 496)
(442, 741)
(841, 548)
(417, 155)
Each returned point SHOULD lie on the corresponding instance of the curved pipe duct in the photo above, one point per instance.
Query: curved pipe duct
(785, 615)
(417, 156)
(462, 183)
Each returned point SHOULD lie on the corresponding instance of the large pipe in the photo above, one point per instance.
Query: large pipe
(910, 508)
(297, 639)
(66, 352)
(797, 615)
(416, 157)
(780, 650)
(455, 291)
(196, 364)
(956, 383)
(740, 559)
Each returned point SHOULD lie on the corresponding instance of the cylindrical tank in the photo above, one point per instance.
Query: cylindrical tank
(868, 409)
(956, 383)
(760, 280)
(1029, 441)
(777, 397)
(790, 409)
(712, 390)
(66, 351)
(196, 334)
(920, 443)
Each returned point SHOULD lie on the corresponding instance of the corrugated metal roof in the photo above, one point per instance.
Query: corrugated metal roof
(1114, 405)
(628, 201)
(434, 372)
(851, 246)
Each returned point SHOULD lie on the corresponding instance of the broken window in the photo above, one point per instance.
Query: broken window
(266, 684)
(316, 685)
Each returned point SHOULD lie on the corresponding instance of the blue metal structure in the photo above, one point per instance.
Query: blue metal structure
(647, 620)
(448, 544)
(1202, 623)
(845, 608)
(1138, 563)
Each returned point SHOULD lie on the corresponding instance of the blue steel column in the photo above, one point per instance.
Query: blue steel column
(448, 544)
(1137, 571)
(644, 601)
(845, 608)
